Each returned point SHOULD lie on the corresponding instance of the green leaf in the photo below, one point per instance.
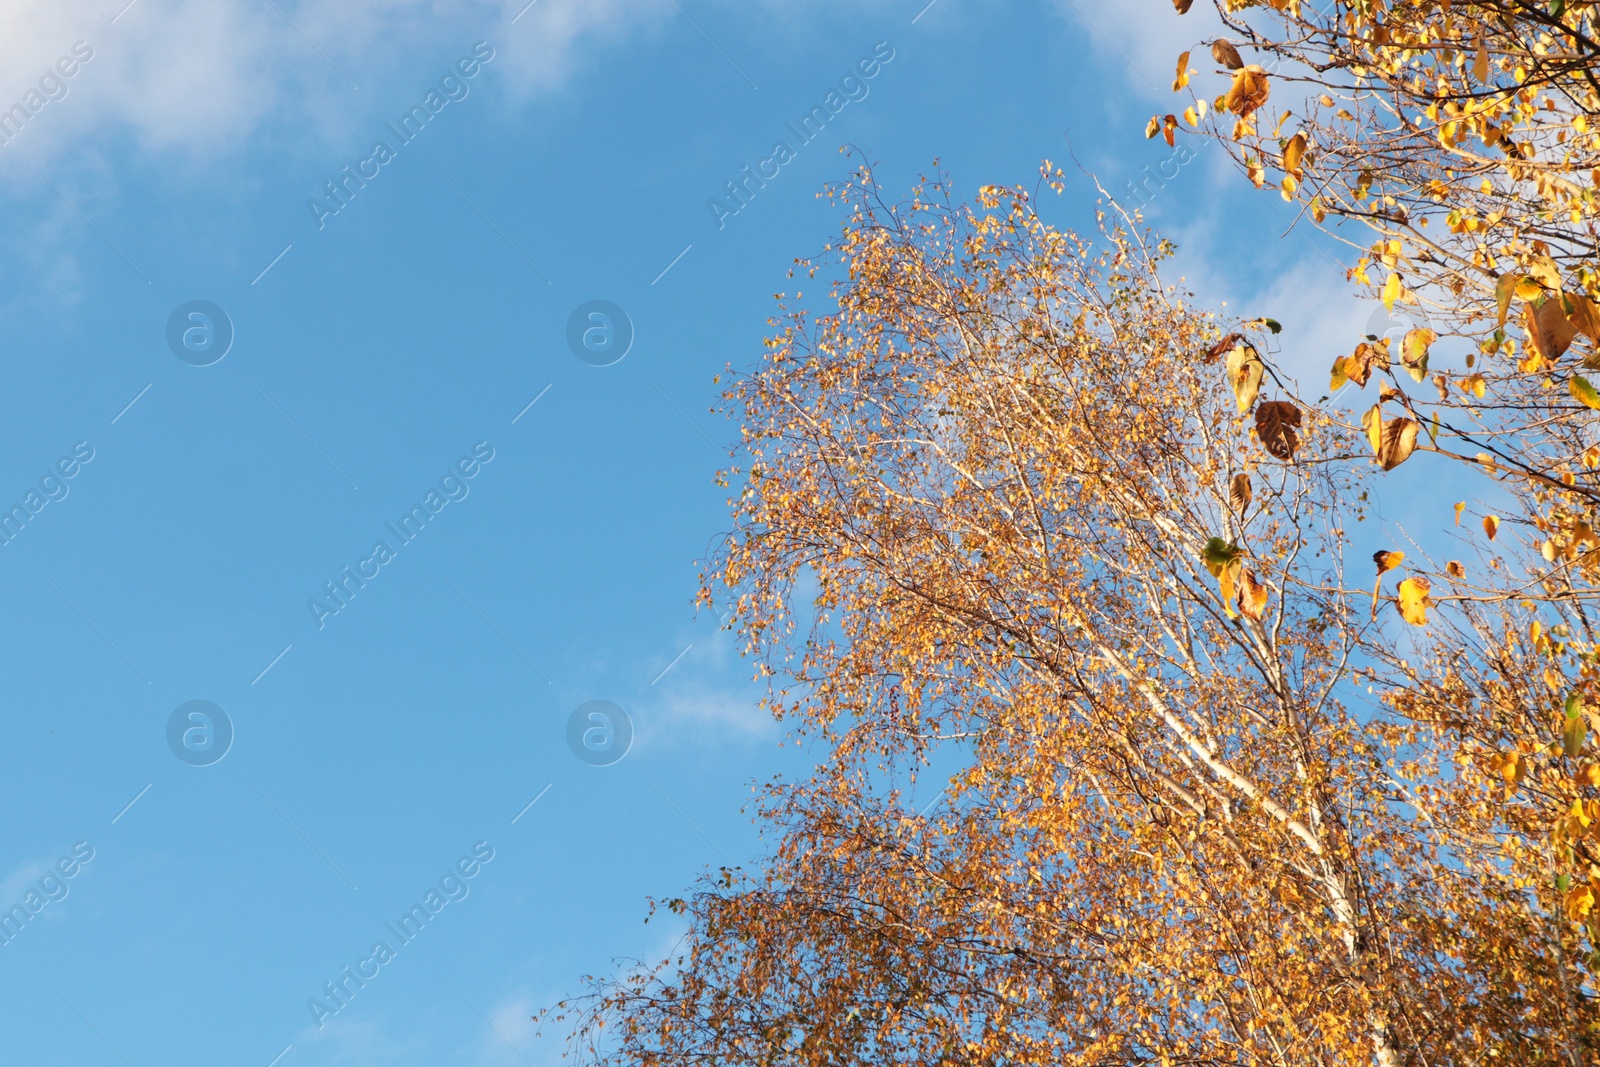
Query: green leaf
(1584, 393)
(1218, 554)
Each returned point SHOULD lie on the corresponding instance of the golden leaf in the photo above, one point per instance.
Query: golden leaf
(1455, 569)
(1359, 365)
(1387, 561)
(1292, 152)
(1249, 91)
(1182, 78)
(1413, 600)
(1460, 507)
(1491, 526)
(1372, 422)
(1226, 581)
(1414, 351)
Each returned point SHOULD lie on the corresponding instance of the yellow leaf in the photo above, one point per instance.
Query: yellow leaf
(1292, 153)
(1183, 73)
(1244, 376)
(1372, 422)
(1413, 601)
(1460, 507)
(1391, 291)
(1480, 63)
(1414, 351)
(1387, 561)
(1491, 526)
(1249, 91)
(1225, 580)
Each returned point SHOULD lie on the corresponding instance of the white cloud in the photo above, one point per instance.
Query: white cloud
(195, 80)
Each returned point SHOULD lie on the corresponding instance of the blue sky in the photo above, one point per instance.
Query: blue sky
(379, 352)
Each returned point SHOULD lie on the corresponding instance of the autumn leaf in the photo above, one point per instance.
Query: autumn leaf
(1249, 91)
(1292, 153)
(1414, 351)
(1392, 291)
(1413, 601)
(1244, 376)
(1183, 6)
(1169, 126)
(1455, 569)
(1460, 507)
(1574, 726)
(1252, 596)
(1276, 423)
(1505, 287)
(1583, 392)
(1223, 51)
(1549, 333)
(1585, 317)
(1387, 560)
(1491, 526)
(1239, 492)
(1372, 422)
(1216, 350)
(1226, 582)
(1359, 365)
(1399, 441)
(1182, 78)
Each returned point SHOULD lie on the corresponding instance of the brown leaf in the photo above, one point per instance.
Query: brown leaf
(1549, 332)
(1386, 560)
(1276, 423)
(1249, 91)
(1239, 492)
(1252, 596)
(1585, 316)
(1491, 526)
(1222, 346)
(1455, 569)
(1223, 51)
(1183, 6)
(1399, 441)
(1359, 365)
(1169, 125)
